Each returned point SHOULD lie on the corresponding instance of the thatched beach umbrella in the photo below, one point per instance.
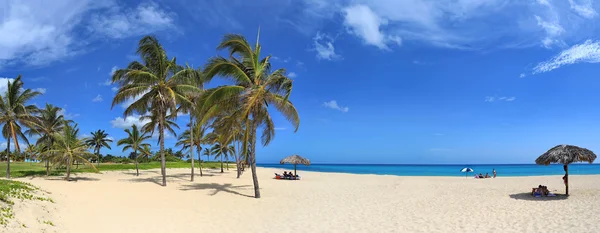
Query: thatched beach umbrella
(295, 159)
(566, 154)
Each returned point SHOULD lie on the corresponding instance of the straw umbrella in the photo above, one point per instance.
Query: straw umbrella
(295, 159)
(566, 154)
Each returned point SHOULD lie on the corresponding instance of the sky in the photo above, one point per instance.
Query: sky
(380, 81)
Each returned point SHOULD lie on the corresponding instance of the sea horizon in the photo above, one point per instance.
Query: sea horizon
(444, 169)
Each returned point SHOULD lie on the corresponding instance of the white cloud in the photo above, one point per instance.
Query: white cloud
(127, 122)
(501, 98)
(112, 70)
(334, 105)
(363, 22)
(114, 89)
(280, 128)
(36, 34)
(106, 83)
(4, 84)
(588, 52)
(324, 47)
(98, 98)
(584, 9)
(40, 90)
(522, 75)
(85, 135)
(121, 23)
(292, 75)
(63, 111)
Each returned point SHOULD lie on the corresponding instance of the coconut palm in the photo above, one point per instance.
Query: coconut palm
(222, 151)
(206, 152)
(196, 78)
(32, 151)
(14, 113)
(47, 122)
(68, 148)
(98, 140)
(157, 84)
(196, 136)
(145, 151)
(255, 89)
(134, 141)
(229, 130)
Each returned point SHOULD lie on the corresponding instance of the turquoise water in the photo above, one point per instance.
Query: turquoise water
(445, 170)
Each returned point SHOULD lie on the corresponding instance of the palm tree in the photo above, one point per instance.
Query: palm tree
(158, 83)
(68, 148)
(195, 77)
(15, 112)
(145, 152)
(206, 152)
(197, 140)
(98, 140)
(32, 151)
(134, 141)
(222, 150)
(47, 122)
(255, 89)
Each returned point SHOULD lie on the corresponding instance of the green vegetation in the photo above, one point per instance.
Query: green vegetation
(10, 190)
(22, 169)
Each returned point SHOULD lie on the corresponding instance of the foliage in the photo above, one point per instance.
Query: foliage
(98, 140)
(11, 190)
(68, 148)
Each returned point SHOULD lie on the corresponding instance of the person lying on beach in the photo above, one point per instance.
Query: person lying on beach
(487, 175)
(285, 174)
(480, 175)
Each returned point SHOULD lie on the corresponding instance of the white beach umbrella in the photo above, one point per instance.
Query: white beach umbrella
(467, 170)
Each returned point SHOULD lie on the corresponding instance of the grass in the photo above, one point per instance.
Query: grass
(10, 190)
(23, 169)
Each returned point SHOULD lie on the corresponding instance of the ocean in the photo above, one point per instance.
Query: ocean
(444, 170)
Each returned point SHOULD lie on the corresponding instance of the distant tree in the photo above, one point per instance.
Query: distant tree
(47, 122)
(68, 148)
(134, 141)
(98, 140)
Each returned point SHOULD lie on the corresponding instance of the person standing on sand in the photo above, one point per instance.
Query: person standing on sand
(494, 171)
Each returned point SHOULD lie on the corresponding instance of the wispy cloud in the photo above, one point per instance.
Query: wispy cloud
(334, 105)
(588, 52)
(361, 21)
(127, 122)
(63, 111)
(112, 70)
(40, 90)
(44, 33)
(584, 9)
(501, 98)
(37, 79)
(522, 75)
(323, 45)
(280, 128)
(292, 75)
(114, 89)
(98, 98)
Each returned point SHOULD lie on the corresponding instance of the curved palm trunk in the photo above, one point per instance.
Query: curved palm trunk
(8, 159)
(163, 164)
(253, 162)
(192, 145)
(199, 159)
(137, 170)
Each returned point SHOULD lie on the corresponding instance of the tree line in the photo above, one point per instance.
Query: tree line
(224, 121)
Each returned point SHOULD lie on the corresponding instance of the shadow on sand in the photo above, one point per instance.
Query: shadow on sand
(529, 197)
(228, 188)
(73, 179)
(158, 179)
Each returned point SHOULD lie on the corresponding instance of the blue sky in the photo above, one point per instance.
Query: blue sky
(387, 81)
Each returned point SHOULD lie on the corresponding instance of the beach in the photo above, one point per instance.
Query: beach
(118, 201)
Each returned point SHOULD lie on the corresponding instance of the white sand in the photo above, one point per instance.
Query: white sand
(321, 202)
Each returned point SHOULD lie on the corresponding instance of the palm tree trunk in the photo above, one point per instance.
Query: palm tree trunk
(221, 163)
(192, 144)
(68, 169)
(163, 164)
(199, 159)
(98, 157)
(8, 159)
(51, 141)
(253, 160)
(137, 170)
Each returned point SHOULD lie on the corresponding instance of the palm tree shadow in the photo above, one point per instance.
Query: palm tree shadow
(157, 180)
(529, 197)
(228, 188)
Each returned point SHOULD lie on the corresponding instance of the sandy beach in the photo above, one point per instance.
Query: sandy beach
(321, 202)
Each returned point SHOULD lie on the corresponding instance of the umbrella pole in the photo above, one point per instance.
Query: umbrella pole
(567, 178)
(294, 169)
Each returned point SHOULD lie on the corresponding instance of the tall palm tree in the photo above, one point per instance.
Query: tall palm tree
(14, 112)
(195, 136)
(196, 78)
(255, 89)
(159, 85)
(134, 140)
(68, 148)
(47, 122)
(98, 140)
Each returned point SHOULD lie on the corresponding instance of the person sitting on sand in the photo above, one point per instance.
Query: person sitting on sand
(487, 175)
(285, 174)
(480, 175)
